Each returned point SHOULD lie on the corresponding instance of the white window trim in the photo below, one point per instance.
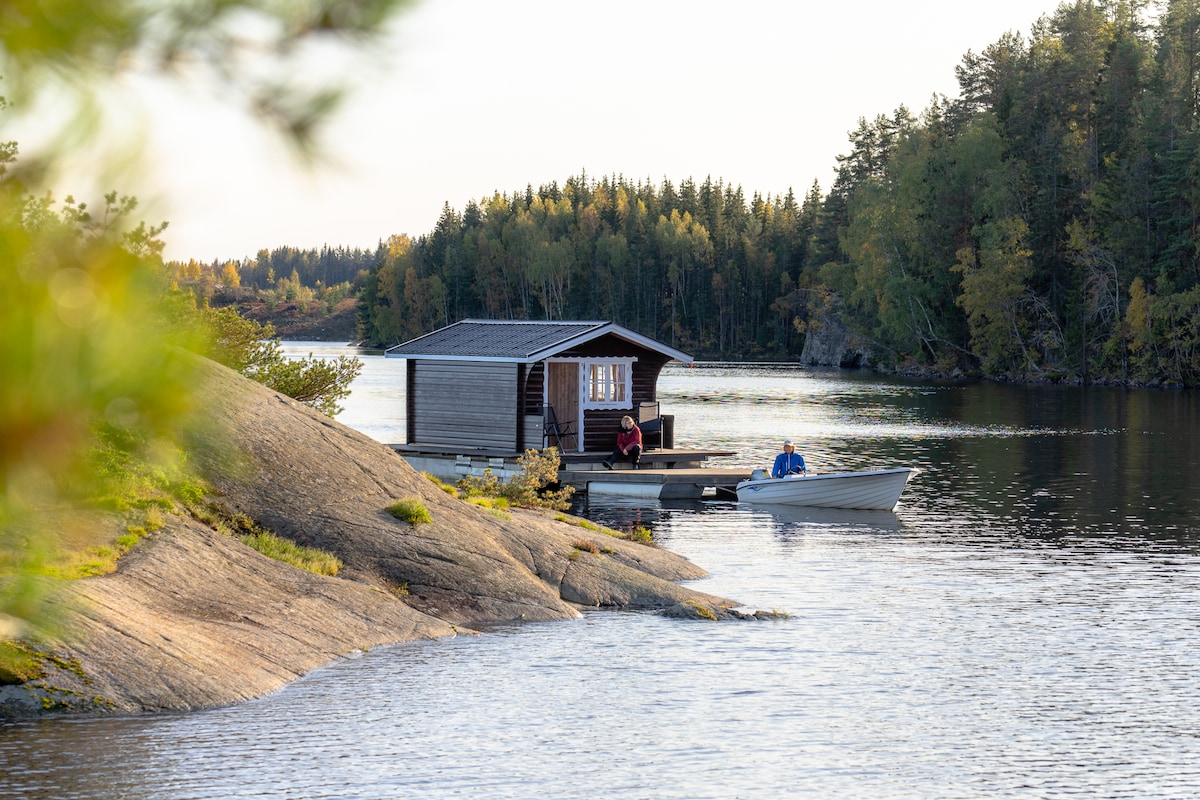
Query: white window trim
(585, 383)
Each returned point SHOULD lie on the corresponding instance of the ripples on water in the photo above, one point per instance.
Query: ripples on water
(1025, 625)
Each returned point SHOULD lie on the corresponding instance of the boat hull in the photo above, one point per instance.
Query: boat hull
(877, 489)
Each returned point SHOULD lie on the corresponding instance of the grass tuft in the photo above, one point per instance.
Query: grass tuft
(438, 482)
(498, 503)
(634, 533)
(306, 558)
(412, 511)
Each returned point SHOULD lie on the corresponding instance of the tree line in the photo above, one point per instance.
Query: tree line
(1042, 225)
(312, 268)
(699, 266)
(315, 280)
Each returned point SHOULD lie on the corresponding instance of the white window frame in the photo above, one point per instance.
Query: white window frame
(617, 393)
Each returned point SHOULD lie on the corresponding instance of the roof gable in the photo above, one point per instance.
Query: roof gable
(521, 341)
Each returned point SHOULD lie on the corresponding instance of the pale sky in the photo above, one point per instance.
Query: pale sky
(477, 96)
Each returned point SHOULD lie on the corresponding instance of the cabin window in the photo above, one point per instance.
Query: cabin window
(608, 384)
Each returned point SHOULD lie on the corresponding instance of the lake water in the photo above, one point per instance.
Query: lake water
(1026, 624)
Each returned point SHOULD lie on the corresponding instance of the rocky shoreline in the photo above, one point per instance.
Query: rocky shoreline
(830, 344)
(192, 618)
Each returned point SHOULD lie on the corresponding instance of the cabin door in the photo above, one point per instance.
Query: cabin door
(562, 392)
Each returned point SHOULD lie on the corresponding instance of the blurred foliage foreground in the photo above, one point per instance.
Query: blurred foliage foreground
(84, 348)
(96, 390)
(95, 379)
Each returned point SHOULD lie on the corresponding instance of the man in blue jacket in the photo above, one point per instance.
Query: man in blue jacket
(789, 462)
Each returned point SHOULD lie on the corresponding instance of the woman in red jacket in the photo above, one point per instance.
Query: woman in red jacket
(629, 444)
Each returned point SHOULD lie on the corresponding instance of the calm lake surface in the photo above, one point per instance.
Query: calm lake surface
(1026, 624)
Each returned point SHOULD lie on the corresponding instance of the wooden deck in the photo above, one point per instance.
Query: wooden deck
(651, 459)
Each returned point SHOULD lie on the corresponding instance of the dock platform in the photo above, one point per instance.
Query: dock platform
(661, 483)
(663, 473)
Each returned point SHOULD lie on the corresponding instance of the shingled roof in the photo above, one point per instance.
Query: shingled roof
(521, 341)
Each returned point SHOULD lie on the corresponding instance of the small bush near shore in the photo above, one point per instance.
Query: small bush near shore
(528, 488)
(638, 533)
(411, 511)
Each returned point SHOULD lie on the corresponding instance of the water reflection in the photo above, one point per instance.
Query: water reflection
(624, 513)
(798, 518)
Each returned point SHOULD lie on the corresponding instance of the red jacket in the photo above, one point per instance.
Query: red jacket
(628, 438)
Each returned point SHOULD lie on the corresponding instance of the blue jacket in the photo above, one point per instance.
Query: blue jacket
(786, 464)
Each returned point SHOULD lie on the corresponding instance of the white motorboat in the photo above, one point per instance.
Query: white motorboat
(876, 489)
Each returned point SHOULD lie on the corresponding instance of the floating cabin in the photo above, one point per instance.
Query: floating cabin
(479, 393)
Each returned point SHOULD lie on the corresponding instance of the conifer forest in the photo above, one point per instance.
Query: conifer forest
(1043, 225)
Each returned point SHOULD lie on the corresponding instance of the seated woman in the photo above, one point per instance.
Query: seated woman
(789, 462)
(629, 444)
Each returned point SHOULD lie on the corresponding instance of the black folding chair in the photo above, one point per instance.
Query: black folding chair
(650, 421)
(553, 427)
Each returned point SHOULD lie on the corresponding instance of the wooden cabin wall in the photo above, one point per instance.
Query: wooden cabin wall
(532, 380)
(645, 377)
(602, 424)
(464, 404)
(535, 382)
(529, 406)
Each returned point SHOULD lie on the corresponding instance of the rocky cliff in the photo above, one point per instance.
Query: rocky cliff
(193, 618)
(828, 343)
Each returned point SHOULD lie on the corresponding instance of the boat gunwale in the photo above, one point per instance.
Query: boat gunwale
(864, 473)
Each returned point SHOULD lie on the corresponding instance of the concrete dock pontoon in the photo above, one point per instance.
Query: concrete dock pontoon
(666, 473)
